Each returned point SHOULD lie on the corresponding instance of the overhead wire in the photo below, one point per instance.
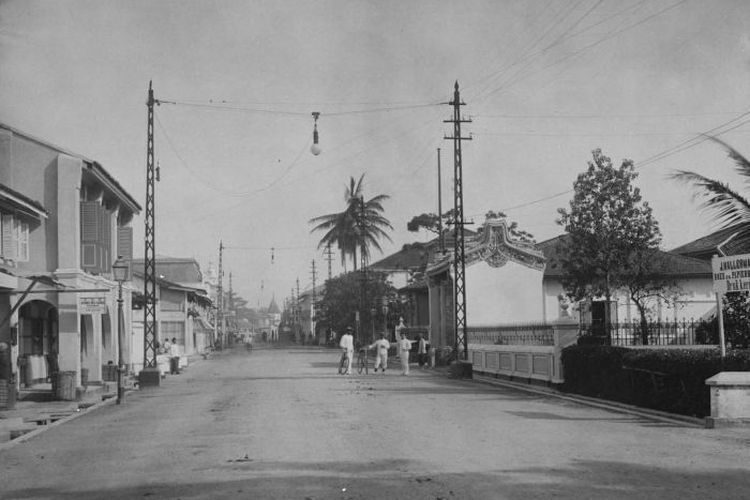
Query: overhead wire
(682, 146)
(517, 77)
(222, 106)
(555, 22)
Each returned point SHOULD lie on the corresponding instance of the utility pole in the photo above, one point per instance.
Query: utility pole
(230, 302)
(329, 310)
(459, 255)
(441, 238)
(312, 304)
(362, 269)
(329, 258)
(298, 310)
(220, 296)
(149, 376)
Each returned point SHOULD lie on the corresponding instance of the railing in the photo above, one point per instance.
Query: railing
(528, 352)
(661, 333)
(521, 334)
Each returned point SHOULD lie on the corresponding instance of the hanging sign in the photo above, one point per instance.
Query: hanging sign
(731, 274)
(92, 305)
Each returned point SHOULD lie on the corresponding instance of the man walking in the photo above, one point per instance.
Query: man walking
(347, 345)
(422, 351)
(404, 346)
(381, 347)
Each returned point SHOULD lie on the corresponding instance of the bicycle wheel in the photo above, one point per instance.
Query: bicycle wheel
(362, 362)
(342, 364)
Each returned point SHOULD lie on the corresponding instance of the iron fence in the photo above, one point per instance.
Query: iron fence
(661, 333)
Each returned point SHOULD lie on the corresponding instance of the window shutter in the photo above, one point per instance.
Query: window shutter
(105, 239)
(9, 240)
(90, 236)
(125, 242)
(90, 221)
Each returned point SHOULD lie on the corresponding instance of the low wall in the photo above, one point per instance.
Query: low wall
(530, 363)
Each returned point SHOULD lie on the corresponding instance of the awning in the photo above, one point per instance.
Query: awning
(20, 203)
(202, 324)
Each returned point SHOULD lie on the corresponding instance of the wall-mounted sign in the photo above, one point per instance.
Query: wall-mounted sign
(92, 305)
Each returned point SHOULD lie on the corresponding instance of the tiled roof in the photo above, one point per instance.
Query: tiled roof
(176, 270)
(415, 256)
(411, 257)
(669, 263)
(705, 247)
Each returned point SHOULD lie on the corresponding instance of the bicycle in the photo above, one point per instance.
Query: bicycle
(362, 361)
(343, 363)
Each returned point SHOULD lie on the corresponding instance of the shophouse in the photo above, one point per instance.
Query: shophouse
(183, 309)
(64, 220)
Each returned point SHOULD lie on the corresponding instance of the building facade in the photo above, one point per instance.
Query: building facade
(65, 220)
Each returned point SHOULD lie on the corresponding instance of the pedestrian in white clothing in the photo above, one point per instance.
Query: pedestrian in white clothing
(404, 346)
(347, 345)
(381, 347)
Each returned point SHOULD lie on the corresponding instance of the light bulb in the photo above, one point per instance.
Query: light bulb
(315, 149)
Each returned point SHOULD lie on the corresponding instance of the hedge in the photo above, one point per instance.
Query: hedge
(666, 379)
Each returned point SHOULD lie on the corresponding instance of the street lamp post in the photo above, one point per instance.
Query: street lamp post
(120, 272)
(372, 320)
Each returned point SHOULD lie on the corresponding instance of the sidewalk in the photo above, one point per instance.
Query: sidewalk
(36, 410)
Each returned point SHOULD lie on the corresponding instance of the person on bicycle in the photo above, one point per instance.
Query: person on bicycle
(347, 345)
(381, 347)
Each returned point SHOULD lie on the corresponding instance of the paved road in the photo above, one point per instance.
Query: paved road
(281, 424)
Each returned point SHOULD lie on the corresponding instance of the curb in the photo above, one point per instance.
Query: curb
(598, 403)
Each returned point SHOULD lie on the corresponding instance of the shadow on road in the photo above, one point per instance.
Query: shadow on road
(395, 480)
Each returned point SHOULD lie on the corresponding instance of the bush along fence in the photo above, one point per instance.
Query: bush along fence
(680, 332)
(671, 380)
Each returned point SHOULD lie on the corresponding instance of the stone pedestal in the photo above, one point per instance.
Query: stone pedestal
(730, 399)
(149, 377)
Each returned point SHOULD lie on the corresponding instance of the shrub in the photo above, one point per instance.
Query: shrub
(671, 380)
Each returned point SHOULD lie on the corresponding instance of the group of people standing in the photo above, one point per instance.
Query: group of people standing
(382, 346)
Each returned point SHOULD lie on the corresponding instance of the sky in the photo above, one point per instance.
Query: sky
(544, 83)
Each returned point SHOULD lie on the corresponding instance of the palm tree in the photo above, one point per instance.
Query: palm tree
(360, 225)
(728, 206)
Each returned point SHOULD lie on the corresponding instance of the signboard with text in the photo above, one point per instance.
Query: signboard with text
(731, 274)
(92, 305)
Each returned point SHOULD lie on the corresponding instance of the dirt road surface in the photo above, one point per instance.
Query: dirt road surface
(281, 424)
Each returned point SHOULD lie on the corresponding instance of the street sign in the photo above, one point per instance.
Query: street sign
(731, 274)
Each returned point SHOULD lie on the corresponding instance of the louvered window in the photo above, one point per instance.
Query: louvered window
(96, 237)
(125, 242)
(21, 230)
(14, 233)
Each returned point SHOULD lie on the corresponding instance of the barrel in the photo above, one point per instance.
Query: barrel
(66, 386)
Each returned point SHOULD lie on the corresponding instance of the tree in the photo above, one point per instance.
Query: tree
(728, 207)
(613, 239)
(430, 222)
(736, 310)
(359, 226)
(341, 300)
